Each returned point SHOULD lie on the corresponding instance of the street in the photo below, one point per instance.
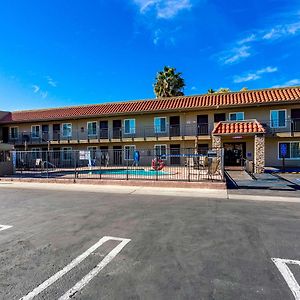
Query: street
(171, 247)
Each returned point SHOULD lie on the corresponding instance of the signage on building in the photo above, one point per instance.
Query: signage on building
(283, 150)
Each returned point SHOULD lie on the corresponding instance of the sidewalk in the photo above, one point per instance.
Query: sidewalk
(113, 189)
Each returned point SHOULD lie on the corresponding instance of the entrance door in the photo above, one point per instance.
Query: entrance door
(117, 129)
(202, 125)
(234, 154)
(295, 116)
(5, 134)
(175, 126)
(45, 132)
(103, 129)
(56, 132)
(117, 155)
(175, 150)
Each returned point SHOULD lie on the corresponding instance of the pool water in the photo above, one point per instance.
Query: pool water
(133, 172)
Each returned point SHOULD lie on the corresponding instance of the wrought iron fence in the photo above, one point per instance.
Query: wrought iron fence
(129, 163)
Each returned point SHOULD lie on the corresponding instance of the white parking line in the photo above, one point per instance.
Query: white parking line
(78, 286)
(86, 279)
(282, 265)
(4, 227)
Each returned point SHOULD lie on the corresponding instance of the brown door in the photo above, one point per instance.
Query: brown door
(103, 129)
(174, 126)
(56, 132)
(117, 129)
(117, 155)
(175, 154)
(5, 134)
(202, 124)
(295, 116)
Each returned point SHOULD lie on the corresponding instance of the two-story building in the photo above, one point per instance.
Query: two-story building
(259, 125)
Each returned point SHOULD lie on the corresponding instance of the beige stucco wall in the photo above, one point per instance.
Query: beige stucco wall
(188, 118)
(272, 153)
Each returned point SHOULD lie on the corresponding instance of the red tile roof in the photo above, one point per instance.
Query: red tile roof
(255, 97)
(238, 127)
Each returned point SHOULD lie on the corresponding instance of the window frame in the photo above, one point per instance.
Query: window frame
(287, 158)
(285, 123)
(124, 149)
(155, 128)
(62, 129)
(35, 126)
(10, 131)
(130, 128)
(87, 128)
(236, 112)
(161, 156)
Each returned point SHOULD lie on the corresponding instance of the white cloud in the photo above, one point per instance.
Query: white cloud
(51, 81)
(291, 82)
(36, 88)
(281, 31)
(254, 75)
(164, 9)
(235, 55)
(44, 94)
(248, 39)
(193, 88)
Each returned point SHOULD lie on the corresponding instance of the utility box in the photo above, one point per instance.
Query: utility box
(249, 166)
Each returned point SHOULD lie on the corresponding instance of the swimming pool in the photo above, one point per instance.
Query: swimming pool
(133, 172)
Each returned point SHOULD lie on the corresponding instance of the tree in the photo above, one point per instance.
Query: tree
(211, 91)
(169, 83)
(224, 90)
(244, 89)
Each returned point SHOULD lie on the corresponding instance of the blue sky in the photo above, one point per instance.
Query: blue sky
(70, 52)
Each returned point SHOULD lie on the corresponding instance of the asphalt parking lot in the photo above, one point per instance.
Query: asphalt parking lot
(158, 247)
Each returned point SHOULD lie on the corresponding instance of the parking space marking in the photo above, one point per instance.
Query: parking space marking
(77, 261)
(282, 265)
(4, 227)
(86, 279)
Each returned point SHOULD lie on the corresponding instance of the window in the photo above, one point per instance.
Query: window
(278, 118)
(129, 126)
(292, 150)
(14, 132)
(35, 131)
(236, 116)
(92, 128)
(160, 124)
(66, 153)
(129, 152)
(160, 151)
(219, 117)
(67, 130)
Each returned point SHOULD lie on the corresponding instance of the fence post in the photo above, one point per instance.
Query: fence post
(100, 155)
(47, 162)
(75, 166)
(127, 166)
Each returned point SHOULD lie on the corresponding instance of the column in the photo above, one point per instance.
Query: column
(216, 141)
(259, 153)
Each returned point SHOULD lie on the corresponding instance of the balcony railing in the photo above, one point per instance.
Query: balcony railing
(114, 134)
(146, 132)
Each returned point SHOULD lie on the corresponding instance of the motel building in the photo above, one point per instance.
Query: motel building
(260, 126)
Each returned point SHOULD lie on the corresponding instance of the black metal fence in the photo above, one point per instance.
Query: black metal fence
(129, 163)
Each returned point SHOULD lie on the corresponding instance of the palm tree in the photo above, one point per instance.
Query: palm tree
(224, 90)
(168, 83)
(211, 91)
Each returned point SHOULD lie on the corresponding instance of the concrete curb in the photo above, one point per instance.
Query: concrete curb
(113, 189)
